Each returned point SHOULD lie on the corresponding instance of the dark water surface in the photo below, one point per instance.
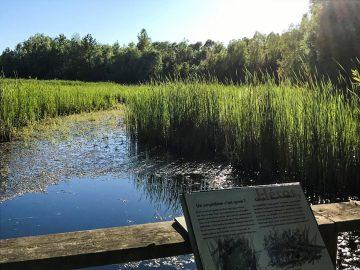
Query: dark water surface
(95, 178)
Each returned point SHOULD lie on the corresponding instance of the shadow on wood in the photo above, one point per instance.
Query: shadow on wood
(140, 242)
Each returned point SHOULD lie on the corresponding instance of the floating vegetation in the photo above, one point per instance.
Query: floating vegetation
(292, 248)
(95, 144)
(91, 145)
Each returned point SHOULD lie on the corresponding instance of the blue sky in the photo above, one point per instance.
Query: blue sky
(173, 20)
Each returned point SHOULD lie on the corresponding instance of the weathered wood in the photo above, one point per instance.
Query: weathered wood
(93, 247)
(346, 215)
(329, 234)
(334, 218)
(139, 242)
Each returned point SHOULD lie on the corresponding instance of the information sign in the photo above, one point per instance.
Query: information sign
(261, 227)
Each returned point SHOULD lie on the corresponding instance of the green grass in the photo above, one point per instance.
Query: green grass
(24, 102)
(278, 130)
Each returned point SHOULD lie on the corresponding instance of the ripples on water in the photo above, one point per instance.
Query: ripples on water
(96, 178)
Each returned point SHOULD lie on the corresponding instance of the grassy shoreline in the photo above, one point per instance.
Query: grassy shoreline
(25, 102)
(62, 125)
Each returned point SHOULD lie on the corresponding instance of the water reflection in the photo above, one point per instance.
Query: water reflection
(97, 177)
(30, 166)
(163, 184)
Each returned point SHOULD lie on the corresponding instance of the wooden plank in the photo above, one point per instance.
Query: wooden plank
(346, 215)
(334, 218)
(93, 247)
(139, 242)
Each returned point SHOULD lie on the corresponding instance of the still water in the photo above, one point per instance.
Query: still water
(95, 178)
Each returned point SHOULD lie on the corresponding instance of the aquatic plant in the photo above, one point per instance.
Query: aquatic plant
(23, 102)
(310, 133)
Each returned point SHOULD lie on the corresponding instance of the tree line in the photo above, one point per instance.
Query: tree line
(325, 44)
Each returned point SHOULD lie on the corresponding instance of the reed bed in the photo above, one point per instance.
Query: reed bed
(265, 129)
(24, 102)
(275, 131)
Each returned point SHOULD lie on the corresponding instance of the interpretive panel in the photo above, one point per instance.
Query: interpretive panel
(262, 227)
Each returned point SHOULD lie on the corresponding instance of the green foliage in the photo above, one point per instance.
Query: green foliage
(23, 102)
(356, 76)
(336, 35)
(144, 42)
(324, 45)
(356, 82)
(289, 131)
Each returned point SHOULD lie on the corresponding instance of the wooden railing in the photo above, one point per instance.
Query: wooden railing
(141, 242)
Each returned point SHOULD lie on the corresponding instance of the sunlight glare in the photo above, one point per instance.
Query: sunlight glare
(229, 19)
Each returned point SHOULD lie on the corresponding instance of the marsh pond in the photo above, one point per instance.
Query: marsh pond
(87, 174)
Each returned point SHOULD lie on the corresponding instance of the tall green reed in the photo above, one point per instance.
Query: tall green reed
(280, 130)
(23, 102)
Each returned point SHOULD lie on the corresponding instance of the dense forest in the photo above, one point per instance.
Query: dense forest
(324, 44)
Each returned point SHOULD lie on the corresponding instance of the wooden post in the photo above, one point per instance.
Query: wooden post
(329, 235)
(334, 218)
